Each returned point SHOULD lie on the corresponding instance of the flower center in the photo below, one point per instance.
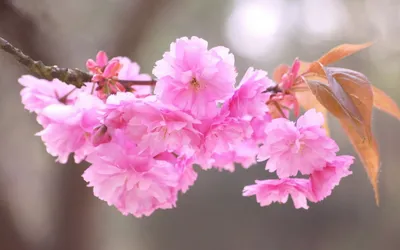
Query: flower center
(195, 84)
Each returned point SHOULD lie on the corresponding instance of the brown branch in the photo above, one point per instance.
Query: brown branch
(74, 77)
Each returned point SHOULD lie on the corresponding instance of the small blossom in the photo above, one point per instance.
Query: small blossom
(133, 183)
(69, 127)
(162, 128)
(317, 187)
(269, 191)
(323, 181)
(193, 78)
(303, 147)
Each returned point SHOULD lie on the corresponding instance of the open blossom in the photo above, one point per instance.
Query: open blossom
(69, 127)
(167, 129)
(155, 127)
(303, 147)
(133, 183)
(323, 181)
(243, 153)
(269, 191)
(193, 78)
(250, 97)
(221, 136)
(39, 93)
(317, 187)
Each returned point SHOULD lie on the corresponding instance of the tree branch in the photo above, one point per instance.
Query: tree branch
(74, 77)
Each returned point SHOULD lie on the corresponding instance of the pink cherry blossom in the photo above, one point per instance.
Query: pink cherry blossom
(162, 128)
(250, 98)
(184, 165)
(323, 181)
(243, 153)
(193, 78)
(39, 93)
(118, 109)
(222, 136)
(133, 183)
(69, 126)
(269, 191)
(303, 147)
(317, 187)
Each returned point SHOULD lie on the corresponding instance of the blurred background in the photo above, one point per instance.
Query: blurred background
(46, 206)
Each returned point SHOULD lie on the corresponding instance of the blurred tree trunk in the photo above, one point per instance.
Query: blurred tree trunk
(10, 238)
(18, 30)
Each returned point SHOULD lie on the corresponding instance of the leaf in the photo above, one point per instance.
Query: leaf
(349, 97)
(338, 53)
(304, 66)
(342, 51)
(369, 155)
(385, 103)
(279, 72)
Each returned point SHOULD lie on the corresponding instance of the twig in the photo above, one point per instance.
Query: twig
(74, 77)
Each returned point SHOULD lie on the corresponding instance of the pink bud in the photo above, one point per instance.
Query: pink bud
(97, 78)
(91, 65)
(101, 59)
(295, 67)
(100, 135)
(112, 69)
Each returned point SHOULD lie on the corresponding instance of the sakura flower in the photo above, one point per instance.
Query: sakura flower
(193, 78)
(323, 181)
(250, 98)
(269, 191)
(162, 128)
(133, 183)
(303, 147)
(39, 93)
(317, 187)
(69, 127)
(243, 153)
(184, 164)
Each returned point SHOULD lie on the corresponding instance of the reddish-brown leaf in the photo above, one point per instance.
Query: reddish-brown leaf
(337, 54)
(348, 96)
(342, 51)
(385, 103)
(369, 155)
(279, 72)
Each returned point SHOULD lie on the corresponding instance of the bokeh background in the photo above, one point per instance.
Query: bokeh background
(46, 206)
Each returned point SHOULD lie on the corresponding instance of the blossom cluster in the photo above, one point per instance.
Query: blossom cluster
(142, 142)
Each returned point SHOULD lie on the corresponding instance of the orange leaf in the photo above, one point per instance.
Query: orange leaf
(304, 66)
(385, 103)
(279, 72)
(342, 51)
(369, 154)
(349, 97)
(337, 54)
